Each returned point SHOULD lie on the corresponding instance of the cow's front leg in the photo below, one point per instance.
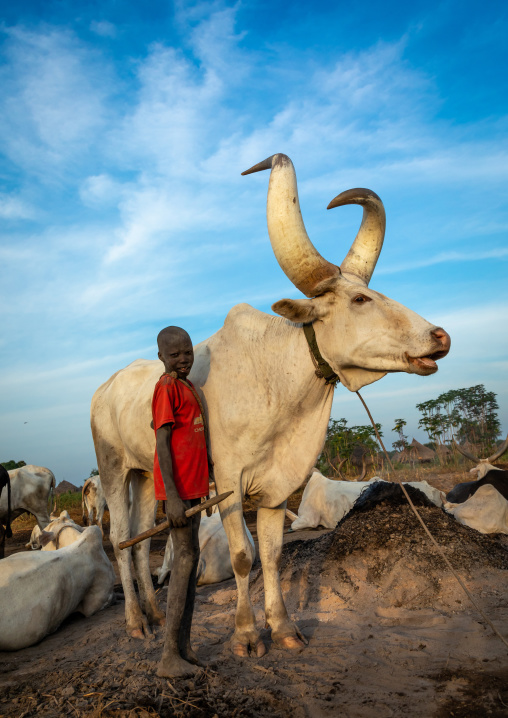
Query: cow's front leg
(246, 635)
(270, 536)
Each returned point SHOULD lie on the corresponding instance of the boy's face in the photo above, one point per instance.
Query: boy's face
(177, 354)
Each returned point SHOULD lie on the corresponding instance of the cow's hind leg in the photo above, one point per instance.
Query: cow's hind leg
(270, 535)
(246, 634)
(142, 519)
(116, 488)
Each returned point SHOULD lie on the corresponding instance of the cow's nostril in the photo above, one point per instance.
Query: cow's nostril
(442, 337)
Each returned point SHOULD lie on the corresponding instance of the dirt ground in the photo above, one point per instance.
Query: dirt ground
(390, 634)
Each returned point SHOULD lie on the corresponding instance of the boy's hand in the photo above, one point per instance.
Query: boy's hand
(175, 514)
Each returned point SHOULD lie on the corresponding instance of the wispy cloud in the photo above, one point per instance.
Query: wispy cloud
(443, 257)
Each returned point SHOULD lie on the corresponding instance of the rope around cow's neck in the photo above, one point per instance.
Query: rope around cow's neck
(437, 546)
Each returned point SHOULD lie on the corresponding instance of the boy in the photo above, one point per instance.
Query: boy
(181, 475)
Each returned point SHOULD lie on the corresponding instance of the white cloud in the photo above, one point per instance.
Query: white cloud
(103, 28)
(443, 257)
(12, 207)
(100, 191)
(52, 104)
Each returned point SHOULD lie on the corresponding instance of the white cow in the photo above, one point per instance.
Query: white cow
(485, 511)
(267, 405)
(39, 589)
(325, 501)
(94, 500)
(31, 488)
(61, 531)
(214, 560)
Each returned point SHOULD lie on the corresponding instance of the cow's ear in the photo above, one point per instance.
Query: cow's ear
(299, 310)
(46, 537)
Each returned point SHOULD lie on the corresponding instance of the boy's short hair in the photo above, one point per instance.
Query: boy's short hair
(168, 333)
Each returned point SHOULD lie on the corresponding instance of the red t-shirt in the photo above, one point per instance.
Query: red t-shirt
(174, 403)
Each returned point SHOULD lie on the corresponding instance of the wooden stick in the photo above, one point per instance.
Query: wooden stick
(165, 524)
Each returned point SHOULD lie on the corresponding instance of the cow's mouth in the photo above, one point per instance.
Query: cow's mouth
(425, 365)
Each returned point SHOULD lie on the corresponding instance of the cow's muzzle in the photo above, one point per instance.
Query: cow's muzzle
(427, 364)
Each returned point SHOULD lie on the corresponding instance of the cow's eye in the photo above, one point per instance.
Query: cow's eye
(361, 299)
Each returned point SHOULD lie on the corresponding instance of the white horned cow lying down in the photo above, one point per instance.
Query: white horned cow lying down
(61, 531)
(268, 409)
(94, 501)
(40, 589)
(214, 560)
(326, 501)
(31, 488)
(482, 504)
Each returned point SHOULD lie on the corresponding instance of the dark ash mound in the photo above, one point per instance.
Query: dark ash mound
(391, 527)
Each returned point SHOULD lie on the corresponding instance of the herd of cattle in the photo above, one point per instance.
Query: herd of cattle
(266, 382)
(67, 569)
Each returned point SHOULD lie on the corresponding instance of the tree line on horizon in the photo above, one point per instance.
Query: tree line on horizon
(468, 415)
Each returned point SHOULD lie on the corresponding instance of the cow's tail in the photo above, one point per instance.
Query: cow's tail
(51, 495)
(8, 530)
(83, 491)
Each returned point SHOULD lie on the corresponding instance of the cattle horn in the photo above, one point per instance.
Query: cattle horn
(466, 453)
(299, 259)
(500, 451)
(364, 253)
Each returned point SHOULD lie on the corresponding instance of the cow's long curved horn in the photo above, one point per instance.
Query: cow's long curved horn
(363, 255)
(361, 476)
(299, 259)
(500, 451)
(466, 453)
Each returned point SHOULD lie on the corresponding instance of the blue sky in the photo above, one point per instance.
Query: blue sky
(124, 128)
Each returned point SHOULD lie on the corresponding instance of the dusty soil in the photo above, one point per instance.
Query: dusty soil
(390, 634)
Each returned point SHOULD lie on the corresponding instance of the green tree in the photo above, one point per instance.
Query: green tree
(401, 442)
(340, 442)
(93, 472)
(467, 414)
(9, 465)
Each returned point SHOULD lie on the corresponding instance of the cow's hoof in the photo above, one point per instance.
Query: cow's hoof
(242, 649)
(140, 631)
(292, 643)
(176, 667)
(158, 619)
(191, 657)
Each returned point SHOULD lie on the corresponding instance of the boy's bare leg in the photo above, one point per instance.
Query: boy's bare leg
(184, 643)
(172, 664)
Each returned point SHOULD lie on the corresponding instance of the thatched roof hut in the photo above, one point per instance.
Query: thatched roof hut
(422, 453)
(64, 487)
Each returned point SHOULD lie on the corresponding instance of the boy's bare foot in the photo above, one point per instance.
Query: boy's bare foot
(191, 656)
(176, 667)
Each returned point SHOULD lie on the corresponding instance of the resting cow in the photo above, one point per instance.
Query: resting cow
(94, 500)
(486, 473)
(31, 487)
(61, 531)
(325, 502)
(486, 510)
(214, 560)
(40, 589)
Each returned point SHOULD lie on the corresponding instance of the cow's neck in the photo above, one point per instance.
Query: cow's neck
(307, 402)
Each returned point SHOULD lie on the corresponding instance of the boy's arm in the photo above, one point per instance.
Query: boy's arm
(175, 508)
